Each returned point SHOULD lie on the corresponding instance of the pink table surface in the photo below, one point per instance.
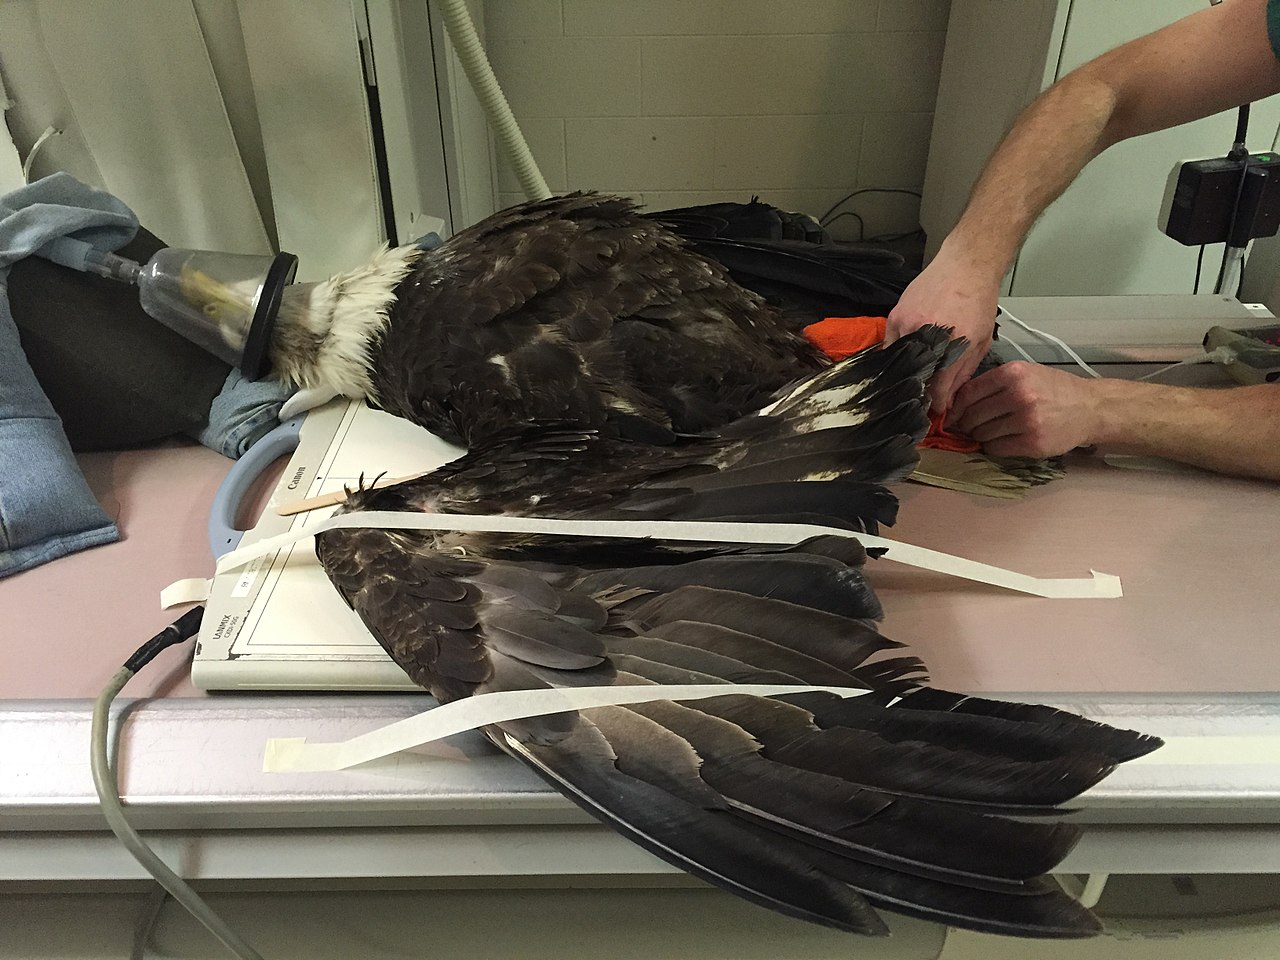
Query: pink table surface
(67, 626)
(1196, 554)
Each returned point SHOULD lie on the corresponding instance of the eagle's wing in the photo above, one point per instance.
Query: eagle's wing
(810, 804)
(822, 454)
(813, 806)
(577, 309)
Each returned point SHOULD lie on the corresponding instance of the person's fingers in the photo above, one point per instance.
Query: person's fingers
(980, 411)
(976, 389)
(1004, 426)
(946, 383)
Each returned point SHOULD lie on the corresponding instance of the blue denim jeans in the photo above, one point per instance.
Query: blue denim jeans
(46, 508)
(242, 414)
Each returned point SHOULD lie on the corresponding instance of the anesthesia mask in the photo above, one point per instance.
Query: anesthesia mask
(225, 303)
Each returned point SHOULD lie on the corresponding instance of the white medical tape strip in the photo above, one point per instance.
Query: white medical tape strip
(1100, 585)
(296, 755)
(1257, 750)
(185, 591)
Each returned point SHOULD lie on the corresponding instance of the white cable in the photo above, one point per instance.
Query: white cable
(1218, 355)
(466, 43)
(35, 148)
(1018, 347)
(1231, 272)
(1172, 366)
(1051, 339)
(104, 781)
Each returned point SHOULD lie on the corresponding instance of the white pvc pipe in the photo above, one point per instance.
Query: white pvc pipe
(466, 43)
(1231, 272)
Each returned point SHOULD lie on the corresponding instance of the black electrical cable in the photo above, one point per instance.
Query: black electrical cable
(890, 237)
(849, 196)
(1239, 151)
(862, 227)
(1231, 224)
(182, 629)
(1242, 130)
(108, 788)
(1199, 264)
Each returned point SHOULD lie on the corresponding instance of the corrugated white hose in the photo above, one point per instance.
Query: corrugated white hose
(466, 43)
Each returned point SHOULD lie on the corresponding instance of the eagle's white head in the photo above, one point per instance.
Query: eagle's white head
(324, 330)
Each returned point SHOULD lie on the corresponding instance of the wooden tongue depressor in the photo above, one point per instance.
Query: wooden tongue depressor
(337, 496)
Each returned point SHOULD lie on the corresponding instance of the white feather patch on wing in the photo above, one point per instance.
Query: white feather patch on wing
(836, 418)
(324, 330)
(833, 397)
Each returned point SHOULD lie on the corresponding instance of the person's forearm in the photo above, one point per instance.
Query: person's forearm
(1234, 430)
(1049, 144)
(1214, 59)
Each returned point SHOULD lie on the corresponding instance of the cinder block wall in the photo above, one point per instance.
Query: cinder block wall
(689, 101)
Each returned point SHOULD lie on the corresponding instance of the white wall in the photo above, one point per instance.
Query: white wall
(688, 101)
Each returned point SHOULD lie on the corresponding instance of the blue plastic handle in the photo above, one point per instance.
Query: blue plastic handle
(223, 535)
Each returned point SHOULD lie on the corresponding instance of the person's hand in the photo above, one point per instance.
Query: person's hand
(948, 296)
(1027, 410)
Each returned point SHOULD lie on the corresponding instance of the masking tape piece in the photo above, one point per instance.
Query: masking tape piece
(179, 592)
(295, 754)
(1257, 750)
(1100, 585)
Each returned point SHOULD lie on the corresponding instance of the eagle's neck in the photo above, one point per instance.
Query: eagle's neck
(324, 331)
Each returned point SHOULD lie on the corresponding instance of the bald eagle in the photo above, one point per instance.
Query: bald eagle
(578, 308)
(909, 798)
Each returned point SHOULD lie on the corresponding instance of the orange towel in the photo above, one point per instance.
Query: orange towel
(940, 438)
(840, 337)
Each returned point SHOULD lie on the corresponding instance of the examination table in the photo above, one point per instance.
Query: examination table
(1191, 652)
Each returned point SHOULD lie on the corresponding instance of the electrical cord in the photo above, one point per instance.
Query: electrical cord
(1242, 130)
(1232, 256)
(890, 237)
(147, 922)
(1047, 338)
(1231, 224)
(862, 227)
(1021, 352)
(1218, 355)
(108, 788)
(856, 193)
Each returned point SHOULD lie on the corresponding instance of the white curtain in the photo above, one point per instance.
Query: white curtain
(239, 127)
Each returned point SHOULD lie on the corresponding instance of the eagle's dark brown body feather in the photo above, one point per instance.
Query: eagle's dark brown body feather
(579, 308)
